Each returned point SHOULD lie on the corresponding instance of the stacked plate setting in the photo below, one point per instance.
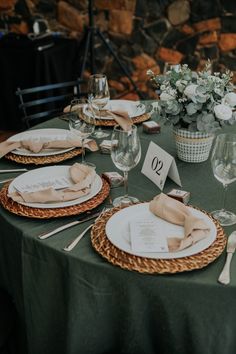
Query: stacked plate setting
(40, 175)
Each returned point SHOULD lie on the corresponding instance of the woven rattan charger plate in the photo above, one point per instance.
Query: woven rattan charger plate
(147, 265)
(47, 213)
(112, 123)
(43, 160)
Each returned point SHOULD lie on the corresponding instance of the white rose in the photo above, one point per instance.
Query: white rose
(180, 84)
(166, 96)
(230, 99)
(190, 91)
(223, 112)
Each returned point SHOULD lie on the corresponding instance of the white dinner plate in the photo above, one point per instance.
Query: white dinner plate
(117, 231)
(134, 108)
(46, 134)
(44, 173)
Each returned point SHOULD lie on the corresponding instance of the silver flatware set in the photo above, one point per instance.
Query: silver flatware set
(85, 218)
(94, 215)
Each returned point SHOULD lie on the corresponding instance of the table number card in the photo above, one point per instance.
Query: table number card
(158, 164)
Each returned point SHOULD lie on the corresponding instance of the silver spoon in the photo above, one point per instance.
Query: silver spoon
(224, 277)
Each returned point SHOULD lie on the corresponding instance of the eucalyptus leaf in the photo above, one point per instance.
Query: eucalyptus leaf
(201, 99)
(201, 90)
(189, 119)
(191, 108)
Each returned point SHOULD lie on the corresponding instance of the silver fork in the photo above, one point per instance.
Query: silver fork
(74, 242)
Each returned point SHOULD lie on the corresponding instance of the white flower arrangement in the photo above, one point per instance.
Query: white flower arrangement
(196, 101)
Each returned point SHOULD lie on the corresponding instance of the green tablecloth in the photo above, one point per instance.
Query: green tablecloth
(78, 303)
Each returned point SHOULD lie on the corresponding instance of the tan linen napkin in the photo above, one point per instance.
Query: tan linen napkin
(8, 146)
(38, 146)
(81, 175)
(177, 213)
(121, 117)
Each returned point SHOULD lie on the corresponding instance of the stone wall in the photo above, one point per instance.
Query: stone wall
(145, 34)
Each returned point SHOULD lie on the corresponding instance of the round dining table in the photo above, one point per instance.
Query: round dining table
(80, 303)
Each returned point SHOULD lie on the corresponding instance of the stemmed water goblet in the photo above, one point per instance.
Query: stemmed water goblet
(125, 154)
(169, 66)
(99, 96)
(81, 122)
(223, 162)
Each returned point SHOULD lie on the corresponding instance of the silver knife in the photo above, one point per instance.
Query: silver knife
(14, 170)
(47, 234)
(224, 277)
(6, 180)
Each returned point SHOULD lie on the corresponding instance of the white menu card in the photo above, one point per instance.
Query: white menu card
(147, 236)
(59, 182)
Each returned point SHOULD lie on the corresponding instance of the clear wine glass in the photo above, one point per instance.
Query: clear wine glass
(223, 162)
(81, 121)
(99, 95)
(169, 66)
(125, 154)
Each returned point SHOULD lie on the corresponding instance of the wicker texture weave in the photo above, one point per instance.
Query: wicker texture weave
(48, 213)
(112, 123)
(147, 265)
(43, 160)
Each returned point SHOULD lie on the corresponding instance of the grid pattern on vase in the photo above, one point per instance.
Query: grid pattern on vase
(192, 146)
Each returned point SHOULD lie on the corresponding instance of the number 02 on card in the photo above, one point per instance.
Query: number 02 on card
(158, 164)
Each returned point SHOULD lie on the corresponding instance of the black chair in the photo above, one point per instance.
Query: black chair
(38, 104)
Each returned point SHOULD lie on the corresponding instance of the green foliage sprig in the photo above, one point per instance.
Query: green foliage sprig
(196, 101)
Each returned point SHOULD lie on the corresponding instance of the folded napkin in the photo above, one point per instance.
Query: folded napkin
(82, 177)
(121, 117)
(177, 213)
(36, 146)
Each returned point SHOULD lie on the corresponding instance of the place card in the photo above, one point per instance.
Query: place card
(55, 137)
(105, 146)
(180, 195)
(158, 164)
(114, 178)
(147, 236)
(54, 182)
(151, 127)
(46, 138)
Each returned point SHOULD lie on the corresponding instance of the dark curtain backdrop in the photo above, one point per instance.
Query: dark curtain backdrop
(23, 65)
